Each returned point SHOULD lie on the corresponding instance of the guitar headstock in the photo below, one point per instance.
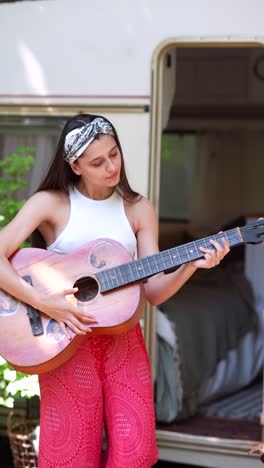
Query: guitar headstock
(253, 233)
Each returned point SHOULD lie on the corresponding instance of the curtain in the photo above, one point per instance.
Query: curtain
(44, 143)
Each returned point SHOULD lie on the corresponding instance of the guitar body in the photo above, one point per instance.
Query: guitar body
(109, 288)
(116, 311)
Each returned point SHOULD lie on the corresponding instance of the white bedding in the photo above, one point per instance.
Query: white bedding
(239, 369)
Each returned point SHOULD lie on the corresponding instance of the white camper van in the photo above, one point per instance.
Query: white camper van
(183, 82)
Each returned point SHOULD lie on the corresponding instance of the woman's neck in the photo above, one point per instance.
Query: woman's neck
(95, 193)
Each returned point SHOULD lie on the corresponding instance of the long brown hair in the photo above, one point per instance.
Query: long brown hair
(60, 176)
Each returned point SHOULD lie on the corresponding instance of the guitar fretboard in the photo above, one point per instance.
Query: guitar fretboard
(146, 267)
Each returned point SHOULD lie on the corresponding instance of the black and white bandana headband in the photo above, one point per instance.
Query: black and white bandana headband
(78, 139)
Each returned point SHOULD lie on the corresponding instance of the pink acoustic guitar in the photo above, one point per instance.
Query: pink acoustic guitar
(108, 287)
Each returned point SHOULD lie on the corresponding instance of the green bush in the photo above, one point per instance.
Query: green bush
(13, 182)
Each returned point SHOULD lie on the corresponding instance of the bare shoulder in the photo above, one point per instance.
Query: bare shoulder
(39, 207)
(43, 209)
(141, 212)
(141, 206)
(48, 196)
(48, 202)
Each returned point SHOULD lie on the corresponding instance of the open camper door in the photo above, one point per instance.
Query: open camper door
(206, 170)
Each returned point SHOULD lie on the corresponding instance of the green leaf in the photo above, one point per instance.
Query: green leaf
(13, 173)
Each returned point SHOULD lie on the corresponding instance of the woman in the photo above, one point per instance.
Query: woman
(107, 383)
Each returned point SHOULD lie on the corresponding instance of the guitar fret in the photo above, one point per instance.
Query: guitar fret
(105, 274)
(138, 269)
(175, 249)
(197, 251)
(123, 270)
(105, 279)
(187, 253)
(165, 264)
(115, 275)
(147, 259)
(129, 275)
(182, 254)
(159, 261)
(225, 234)
(101, 280)
(112, 274)
(153, 264)
(131, 272)
(192, 251)
(141, 267)
(203, 243)
(136, 273)
(147, 269)
(155, 260)
(169, 252)
(168, 261)
(161, 255)
(121, 278)
(199, 244)
(215, 238)
(109, 278)
(209, 245)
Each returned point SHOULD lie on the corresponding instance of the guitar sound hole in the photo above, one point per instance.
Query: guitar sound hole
(87, 289)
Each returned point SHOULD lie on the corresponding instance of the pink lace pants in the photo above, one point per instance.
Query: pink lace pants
(106, 384)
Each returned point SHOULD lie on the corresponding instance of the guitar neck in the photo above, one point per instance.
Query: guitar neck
(146, 267)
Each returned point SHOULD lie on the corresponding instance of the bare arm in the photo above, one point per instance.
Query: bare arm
(38, 209)
(160, 287)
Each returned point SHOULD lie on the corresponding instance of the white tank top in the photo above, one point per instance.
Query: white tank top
(94, 219)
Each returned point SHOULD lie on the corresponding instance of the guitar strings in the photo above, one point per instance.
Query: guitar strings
(232, 236)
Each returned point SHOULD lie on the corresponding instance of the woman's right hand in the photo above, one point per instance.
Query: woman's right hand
(65, 312)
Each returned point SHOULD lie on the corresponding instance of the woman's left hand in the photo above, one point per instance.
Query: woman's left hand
(212, 257)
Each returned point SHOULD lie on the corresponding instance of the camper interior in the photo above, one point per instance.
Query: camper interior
(210, 346)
